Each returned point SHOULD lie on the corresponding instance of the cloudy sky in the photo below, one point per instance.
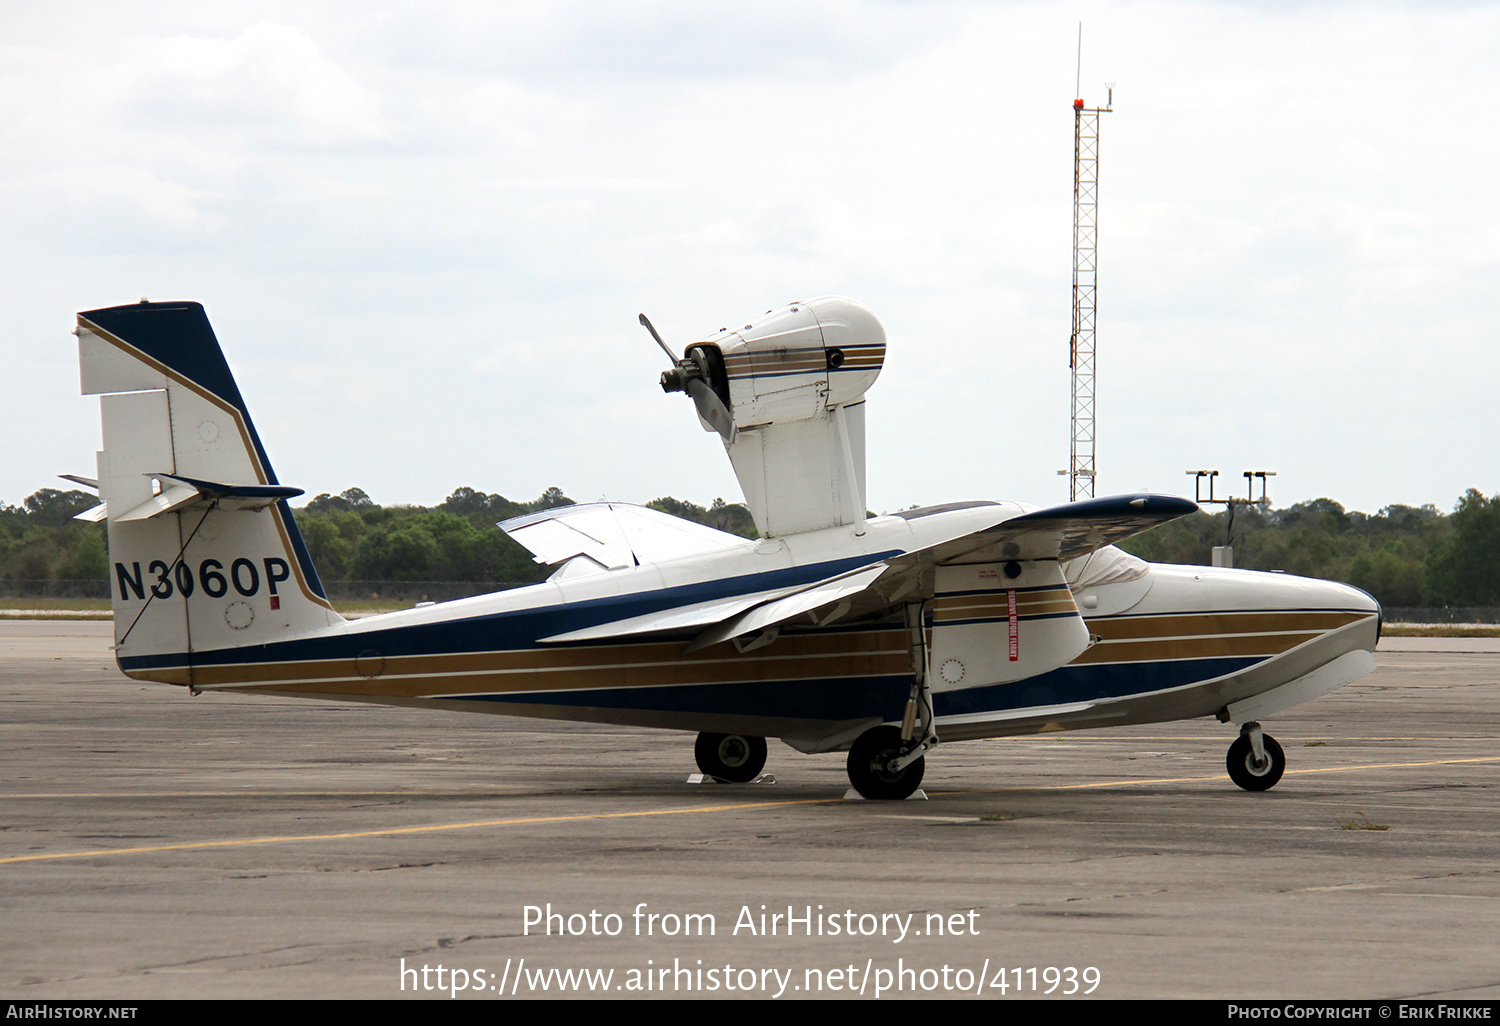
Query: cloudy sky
(423, 233)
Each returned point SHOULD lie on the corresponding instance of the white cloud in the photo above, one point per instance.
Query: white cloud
(432, 216)
(269, 79)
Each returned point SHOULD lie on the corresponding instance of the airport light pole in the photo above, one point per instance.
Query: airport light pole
(1223, 555)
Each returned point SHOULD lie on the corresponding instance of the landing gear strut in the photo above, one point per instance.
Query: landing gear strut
(735, 758)
(1255, 760)
(888, 762)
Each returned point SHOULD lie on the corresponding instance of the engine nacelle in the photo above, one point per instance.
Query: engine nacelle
(794, 382)
(799, 361)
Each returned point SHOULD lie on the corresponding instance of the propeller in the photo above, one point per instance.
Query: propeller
(690, 374)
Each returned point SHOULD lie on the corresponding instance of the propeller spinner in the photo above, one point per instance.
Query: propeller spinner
(696, 373)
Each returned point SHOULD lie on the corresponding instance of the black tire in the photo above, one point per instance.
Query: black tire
(736, 758)
(867, 758)
(1243, 770)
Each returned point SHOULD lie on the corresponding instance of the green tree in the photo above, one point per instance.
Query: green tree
(401, 551)
(482, 509)
(50, 506)
(1464, 570)
(721, 516)
(85, 558)
(350, 499)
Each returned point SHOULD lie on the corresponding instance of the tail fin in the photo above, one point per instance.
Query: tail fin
(205, 553)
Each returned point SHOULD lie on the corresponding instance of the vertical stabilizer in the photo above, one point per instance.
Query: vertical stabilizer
(204, 552)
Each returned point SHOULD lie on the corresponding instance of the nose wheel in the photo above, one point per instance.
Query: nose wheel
(735, 758)
(1255, 760)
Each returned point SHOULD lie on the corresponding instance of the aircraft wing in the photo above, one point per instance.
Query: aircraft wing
(1058, 533)
(613, 535)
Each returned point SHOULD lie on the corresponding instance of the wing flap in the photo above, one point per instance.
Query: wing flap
(739, 614)
(779, 610)
(678, 618)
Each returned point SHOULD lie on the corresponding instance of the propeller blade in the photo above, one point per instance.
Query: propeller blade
(646, 323)
(710, 407)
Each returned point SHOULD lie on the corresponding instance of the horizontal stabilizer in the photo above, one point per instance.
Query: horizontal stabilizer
(93, 514)
(190, 493)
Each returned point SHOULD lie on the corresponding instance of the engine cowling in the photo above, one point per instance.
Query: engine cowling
(793, 382)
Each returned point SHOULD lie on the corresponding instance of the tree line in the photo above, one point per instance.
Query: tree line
(1403, 555)
(349, 536)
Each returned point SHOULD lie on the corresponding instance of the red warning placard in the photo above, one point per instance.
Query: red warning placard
(1015, 625)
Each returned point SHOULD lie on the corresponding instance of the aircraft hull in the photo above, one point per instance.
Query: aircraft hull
(1197, 641)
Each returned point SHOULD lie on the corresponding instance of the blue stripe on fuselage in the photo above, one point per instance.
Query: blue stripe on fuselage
(1088, 683)
(506, 630)
(848, 698)
(843, 698)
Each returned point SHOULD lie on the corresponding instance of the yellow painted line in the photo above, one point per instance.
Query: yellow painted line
(1399, 765)
(397, 831)
(283, 794)
(1056, 737)
(1220, 776)
(478, 824)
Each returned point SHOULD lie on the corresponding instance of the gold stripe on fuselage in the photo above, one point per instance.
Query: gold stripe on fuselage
(795, 656)
(995, 605)
(1129, 639)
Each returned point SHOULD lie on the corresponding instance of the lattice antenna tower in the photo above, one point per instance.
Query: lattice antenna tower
(1082, 353)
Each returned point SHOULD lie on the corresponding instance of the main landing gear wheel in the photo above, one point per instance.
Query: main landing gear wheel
(736, 758)
(1252, 775)
(869, 770)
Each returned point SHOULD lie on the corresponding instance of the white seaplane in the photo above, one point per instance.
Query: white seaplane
(834, 631)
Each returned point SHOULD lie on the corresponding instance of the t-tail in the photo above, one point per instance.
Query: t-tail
(204, 552)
